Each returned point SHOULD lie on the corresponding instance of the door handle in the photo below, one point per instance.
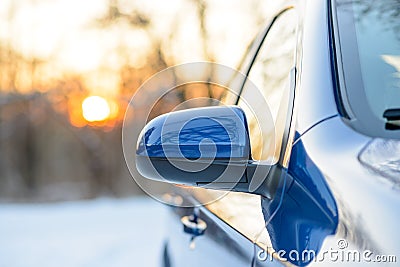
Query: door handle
(193, 225)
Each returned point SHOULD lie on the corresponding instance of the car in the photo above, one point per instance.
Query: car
(321, 186)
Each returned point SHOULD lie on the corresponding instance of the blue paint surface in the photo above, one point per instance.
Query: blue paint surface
(212, 132)
(307, 211)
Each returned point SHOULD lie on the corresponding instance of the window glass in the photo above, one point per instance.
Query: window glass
(270, 74)
(370, 58)
(379, 60)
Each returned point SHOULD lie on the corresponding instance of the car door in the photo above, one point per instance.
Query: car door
(235, 221)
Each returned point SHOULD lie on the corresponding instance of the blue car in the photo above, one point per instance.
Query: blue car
(304, 170)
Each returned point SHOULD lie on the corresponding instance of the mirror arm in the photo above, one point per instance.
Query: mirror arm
(270, 183)
(263, 179)
(259, 178)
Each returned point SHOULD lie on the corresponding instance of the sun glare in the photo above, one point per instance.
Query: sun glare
(95, 108)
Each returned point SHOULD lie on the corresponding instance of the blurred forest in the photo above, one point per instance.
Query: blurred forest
(48, 151)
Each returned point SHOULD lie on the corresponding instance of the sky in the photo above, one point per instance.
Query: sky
(65, 47)
(64, 34)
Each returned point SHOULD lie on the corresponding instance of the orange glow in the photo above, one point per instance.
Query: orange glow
(97, 53)
(95, 108)
(85, 111)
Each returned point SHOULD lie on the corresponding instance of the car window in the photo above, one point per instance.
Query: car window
(369, 48)
(270, 73)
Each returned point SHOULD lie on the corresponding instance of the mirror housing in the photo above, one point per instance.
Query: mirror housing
(207, 147)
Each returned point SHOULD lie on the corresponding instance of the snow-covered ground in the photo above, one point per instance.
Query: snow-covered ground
(102, 232)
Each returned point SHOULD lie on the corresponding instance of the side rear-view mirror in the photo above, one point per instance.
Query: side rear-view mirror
(206, 147)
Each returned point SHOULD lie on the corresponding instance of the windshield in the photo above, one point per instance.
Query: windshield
(369, 34)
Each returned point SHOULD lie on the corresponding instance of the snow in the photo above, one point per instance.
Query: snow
(102, 232)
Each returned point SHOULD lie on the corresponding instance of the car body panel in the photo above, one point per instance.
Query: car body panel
(314, 81)
(362, 195)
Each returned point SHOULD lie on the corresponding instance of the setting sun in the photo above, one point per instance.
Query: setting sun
(95, 108)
